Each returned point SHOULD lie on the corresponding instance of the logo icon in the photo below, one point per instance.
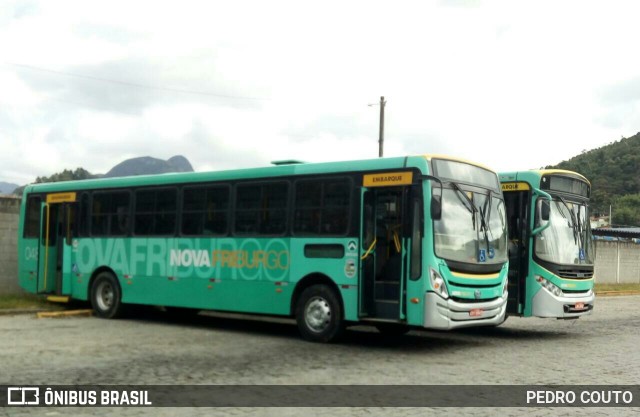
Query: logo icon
(23, 396)
(477, 294)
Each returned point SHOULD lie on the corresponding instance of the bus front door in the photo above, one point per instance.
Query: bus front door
(518, 217)
(54, 271)
(382, 266)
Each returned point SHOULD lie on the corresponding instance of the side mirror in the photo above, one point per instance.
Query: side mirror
(543, 207)
(436, 199)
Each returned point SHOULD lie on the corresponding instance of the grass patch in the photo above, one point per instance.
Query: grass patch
(22, 301)
(617, 287)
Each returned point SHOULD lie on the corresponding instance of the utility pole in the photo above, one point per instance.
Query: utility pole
(381, 140)
(381, 131)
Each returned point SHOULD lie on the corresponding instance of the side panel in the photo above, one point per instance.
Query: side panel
(244, 275)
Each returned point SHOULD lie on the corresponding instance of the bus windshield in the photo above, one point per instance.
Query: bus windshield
(472, 228)
(567, 240)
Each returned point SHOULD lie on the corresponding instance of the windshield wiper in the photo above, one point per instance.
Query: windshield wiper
(485, 215)
(467, 203)
(574, 223)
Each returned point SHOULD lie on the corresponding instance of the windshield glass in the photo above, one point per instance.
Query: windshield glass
(567, 240)
(472, 228)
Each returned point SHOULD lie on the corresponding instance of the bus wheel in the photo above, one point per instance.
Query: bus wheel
(392, 329)
(319, 314)
(105, 296)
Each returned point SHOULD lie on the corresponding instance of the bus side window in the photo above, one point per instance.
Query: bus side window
(110, 213)
(322, 206)
(261, 208)
(32, 217)
(155, 212)
(205, 211)
(83, 216)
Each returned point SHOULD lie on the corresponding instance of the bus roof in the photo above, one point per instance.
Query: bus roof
(280, 170)
(537, 174)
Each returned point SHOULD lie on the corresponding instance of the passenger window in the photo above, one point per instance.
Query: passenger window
(261, 209)
(205, 211)
(322, 207)
(110, 213)
(155, 212)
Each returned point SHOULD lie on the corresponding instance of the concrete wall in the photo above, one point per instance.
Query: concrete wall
(617, 262)
(9, 214)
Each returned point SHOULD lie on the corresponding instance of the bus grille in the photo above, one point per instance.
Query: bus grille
(471, 300)
(575, 273)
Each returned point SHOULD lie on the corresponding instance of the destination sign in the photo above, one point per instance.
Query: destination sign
(515, 186)
(61, 198)
(388, 179)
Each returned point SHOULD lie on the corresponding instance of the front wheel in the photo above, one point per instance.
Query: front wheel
(319, 314)
(106, 295)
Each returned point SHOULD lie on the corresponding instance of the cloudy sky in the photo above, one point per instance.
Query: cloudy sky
(512, 84)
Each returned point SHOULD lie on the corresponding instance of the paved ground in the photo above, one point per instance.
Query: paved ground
(599, 349)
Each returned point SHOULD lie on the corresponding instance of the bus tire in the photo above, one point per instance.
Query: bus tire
(106, 295)
(319, 314)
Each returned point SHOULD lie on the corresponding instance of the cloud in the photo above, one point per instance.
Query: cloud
(621, 93)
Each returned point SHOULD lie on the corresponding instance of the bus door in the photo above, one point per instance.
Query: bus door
(57, 220)
(385, 247)
(517, 200)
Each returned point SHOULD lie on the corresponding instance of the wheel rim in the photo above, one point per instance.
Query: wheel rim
(317, 314)
(104, 295)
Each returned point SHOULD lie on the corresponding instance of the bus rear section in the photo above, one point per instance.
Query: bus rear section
(551, 252)
(44, 242)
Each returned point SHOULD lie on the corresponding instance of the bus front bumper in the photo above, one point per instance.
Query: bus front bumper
(449, 314)
(546, 304)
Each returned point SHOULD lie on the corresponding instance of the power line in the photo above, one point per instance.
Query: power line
(131, 84)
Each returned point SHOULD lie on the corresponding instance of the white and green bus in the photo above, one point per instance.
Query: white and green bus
(551, 251)
(417, 241)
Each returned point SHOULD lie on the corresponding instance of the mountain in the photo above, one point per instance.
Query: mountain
(7, 187)
(614, 173)
(146, 165)
(135, 166)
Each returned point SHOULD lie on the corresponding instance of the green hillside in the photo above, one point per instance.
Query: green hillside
(614, 172)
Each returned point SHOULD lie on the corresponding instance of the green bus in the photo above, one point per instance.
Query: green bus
(392, 242)
(551, 250)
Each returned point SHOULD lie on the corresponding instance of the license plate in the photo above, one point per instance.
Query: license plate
(476, 312)
(579, 306)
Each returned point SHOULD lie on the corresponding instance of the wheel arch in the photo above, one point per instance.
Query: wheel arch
(95, 274)
(315, 278)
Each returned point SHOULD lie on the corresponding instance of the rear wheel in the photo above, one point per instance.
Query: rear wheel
(106, 295)
(319, 314)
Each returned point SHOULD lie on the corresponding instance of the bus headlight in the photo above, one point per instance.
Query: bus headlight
(437, 283)
(505, 288)
(549, 286)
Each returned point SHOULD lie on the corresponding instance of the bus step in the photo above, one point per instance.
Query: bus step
(58, 298)
(388, 309)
